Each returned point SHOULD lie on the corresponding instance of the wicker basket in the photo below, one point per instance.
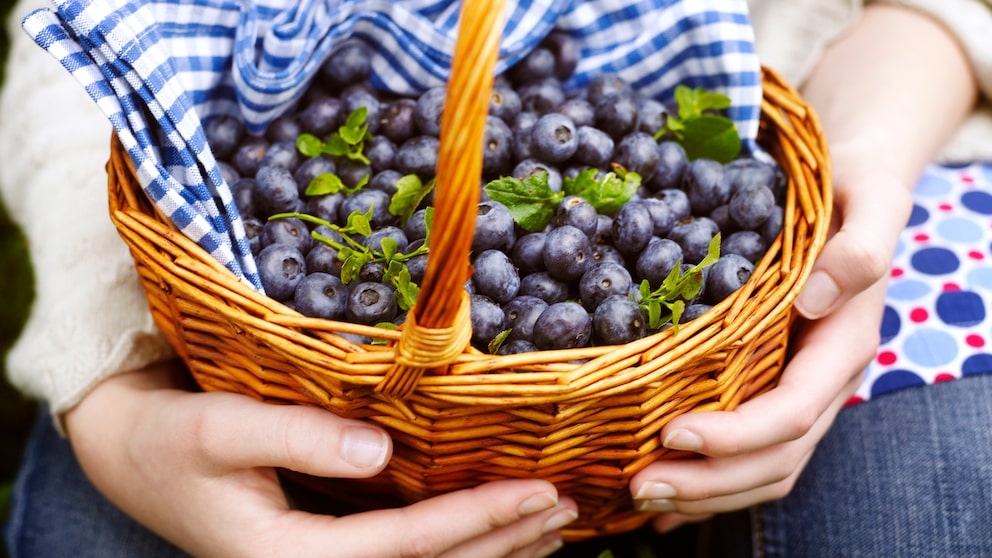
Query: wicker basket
(585, 419)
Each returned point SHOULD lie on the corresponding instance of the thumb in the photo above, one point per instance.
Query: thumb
(238, 432)
(872, 213)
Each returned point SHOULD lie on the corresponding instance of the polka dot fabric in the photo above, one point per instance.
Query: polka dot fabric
(936, 326)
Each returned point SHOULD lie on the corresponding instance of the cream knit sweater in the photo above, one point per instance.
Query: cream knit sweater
(90, 318)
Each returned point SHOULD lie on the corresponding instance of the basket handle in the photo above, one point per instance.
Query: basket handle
(438, 328)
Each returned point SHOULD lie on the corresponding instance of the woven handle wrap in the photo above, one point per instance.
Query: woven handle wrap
(438, 328)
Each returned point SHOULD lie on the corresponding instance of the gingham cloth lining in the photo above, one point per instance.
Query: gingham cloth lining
(159, 68)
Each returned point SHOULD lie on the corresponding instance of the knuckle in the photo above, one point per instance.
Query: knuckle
(867, 262)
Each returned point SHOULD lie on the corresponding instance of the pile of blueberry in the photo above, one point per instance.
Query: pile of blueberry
(574, 282)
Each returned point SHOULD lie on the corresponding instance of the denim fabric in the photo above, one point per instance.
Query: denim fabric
(908, 474)
(57, 513)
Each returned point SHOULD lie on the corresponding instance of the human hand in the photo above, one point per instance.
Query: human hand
(198, 469)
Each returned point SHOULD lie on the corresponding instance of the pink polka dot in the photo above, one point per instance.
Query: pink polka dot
(943, 377)
(951, 287)
(976, 255)
(919, 315)
(975, 341)
(922, 237)
(885, 358)
(967, 179)
(854, 400)
(897, 272)
(945, 207)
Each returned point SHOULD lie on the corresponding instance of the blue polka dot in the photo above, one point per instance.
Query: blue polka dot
(977, 364)
(961, 230)
(909, 289)
(890, 324)
(980, 277)
(987, 171)
(931, 185)
(893, 380)
(977, 201)
(935, 261)
(918, 216)
(961, 308)
(930, 347)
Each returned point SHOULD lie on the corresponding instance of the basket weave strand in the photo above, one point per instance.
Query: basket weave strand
(585, 419)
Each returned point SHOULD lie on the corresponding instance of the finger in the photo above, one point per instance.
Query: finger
(536, 535)
(668, 522)
(238, 432)
(861, 251)
(437, 525)
(831, 354)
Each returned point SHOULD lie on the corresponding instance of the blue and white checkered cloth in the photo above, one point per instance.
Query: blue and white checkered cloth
(160, 68)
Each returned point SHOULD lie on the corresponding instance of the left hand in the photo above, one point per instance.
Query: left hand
(756, 452)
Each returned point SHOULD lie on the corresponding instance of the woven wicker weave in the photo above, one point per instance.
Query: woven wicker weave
(586, 419)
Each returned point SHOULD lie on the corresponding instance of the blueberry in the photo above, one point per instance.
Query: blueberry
(662, 216)
(522, 126)
(693, 235)
(321, 295)
(224, 134)
(352, 172)
(359, 99)
(488, 320)
(380, 151)
(618, 320)
(638, 152)
(323, 258)
(495, 275)
(538, 64)
(657, 260)
(385, 180)
(427, 112)
(504, 103)
(281, 267)
(371, 271)
(563, 325)
(497, 147)
(253, 232)
(285, 128)
(370, 303)
(748, 172)
(773, 226)
(276, 190)
(243, 191)
(248, 157)
(706, 185)
(677, 201)
(604, 230)
(364, 199)
(554, 138)
(289, 230)
(580, 111)
(321, 117)
(416, 226)
(721, 216)
(516, 347)
(310, 169)
(282, 153)
(493, 227)
(602, 280)
(541, 97)
(693, 311)
(545, 287)
(605, 85)
(567, 252)
(528, 253)
(566, 52)
(728, 274)
(577, 212)
(651, 115)
(595, 147)
(669, 172)
(632, 228)
(325, 206)
(607, 253)
(529, 167)
(616, 114)
(521, 312)
(396, 120)
(752, 206)
(418, 155)
(748, 244)
(351, 63)
(374, 240)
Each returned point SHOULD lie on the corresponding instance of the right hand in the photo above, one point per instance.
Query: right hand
(198, 469)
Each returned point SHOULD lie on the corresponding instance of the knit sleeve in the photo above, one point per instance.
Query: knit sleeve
(89, 319)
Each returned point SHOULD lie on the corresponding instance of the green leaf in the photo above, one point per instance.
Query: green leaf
(607, 193)
(711, 100)
(712, 137)
(360, 222)
(352, 264)
(406, 290)
(356, 118)
(389, 247)
(309, 145)
(531, 201)
(685, 98)
(410, 192)
(352, 136)
(497, 341)
(336, 146)
(326, 183)
(677, 308)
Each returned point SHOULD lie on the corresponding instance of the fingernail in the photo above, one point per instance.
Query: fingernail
(683, 440)
(537, 503)
(818, 295)
(364, 447)
(655, 490)
(559, 520)
(657, 505)
(549, 549)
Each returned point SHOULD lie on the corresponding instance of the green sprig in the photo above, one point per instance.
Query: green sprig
(675, 290)
(700, 132)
